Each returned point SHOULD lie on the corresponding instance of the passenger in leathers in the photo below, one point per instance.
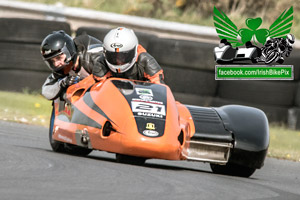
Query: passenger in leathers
(70, 60)
(124, 58)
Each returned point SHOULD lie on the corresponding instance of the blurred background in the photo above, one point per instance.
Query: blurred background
(178, 33)
(192, 11)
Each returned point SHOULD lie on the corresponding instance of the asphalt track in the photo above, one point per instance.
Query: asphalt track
(30, 170)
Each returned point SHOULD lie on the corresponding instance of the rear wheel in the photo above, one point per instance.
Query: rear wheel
(232, 170)
(254, 60)
(132, 160)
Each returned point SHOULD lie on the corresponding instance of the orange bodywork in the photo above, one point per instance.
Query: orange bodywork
(90, 105)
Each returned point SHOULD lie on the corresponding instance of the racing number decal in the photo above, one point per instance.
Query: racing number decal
(144, 107)
(148, 105)
(148, 108)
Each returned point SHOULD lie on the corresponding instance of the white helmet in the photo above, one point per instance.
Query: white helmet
(120, 48)
(290, 39)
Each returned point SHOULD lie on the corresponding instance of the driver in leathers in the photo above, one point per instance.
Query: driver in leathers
(69, 60)
(124, 57)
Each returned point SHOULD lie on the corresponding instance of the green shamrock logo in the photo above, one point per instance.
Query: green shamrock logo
(253, 33)
(226, 29)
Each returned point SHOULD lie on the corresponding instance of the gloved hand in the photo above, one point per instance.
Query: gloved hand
(69, 80)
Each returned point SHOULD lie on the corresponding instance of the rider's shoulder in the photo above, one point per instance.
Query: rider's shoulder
(144, 57)
(87, 41)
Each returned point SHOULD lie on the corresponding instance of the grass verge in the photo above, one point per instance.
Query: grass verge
(284, 143)
(24, 108)
(35, 109)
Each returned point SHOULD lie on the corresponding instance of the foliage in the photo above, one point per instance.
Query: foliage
(193, 11)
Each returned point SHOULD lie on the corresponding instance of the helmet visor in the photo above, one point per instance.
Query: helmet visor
(120, 58)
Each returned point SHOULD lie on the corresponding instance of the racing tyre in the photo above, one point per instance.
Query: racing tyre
(132, 160)
(56, 145)
(232, 170)
(77, 150)
(271, 57)
(254, 60)
(63, 147)
(280, 60)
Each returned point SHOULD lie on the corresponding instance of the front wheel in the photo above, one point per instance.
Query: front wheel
(61, 147)
(132, 160)
(55, 145)
(271, 57)
(232, 170)
(77, 150)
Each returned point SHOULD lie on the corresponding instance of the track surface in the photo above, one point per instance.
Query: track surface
(30, 170)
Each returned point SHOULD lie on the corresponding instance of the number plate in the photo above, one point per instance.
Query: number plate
(146, 107)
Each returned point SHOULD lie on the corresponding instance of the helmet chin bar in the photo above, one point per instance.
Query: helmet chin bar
(65, 51)
(67, 68)
(121, 68)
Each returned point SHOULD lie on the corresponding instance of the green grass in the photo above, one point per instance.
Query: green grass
(284, 143)
(25, 108)
(35, 109)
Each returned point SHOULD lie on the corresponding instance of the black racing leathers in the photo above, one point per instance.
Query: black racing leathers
(89, 50)
(145, 68)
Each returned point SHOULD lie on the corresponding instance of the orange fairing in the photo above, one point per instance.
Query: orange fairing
(143, 118)
(77, 90)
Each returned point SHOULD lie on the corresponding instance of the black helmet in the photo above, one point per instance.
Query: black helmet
(55, 44)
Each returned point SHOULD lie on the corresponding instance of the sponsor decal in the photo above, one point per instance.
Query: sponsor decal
(146, 97)
(144, 114)
(150, 133)
(147, 101)
(150, 126)
(62, 137)
(116, 45)
(144, 91)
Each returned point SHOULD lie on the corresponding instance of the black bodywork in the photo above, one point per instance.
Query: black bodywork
(245, 127)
